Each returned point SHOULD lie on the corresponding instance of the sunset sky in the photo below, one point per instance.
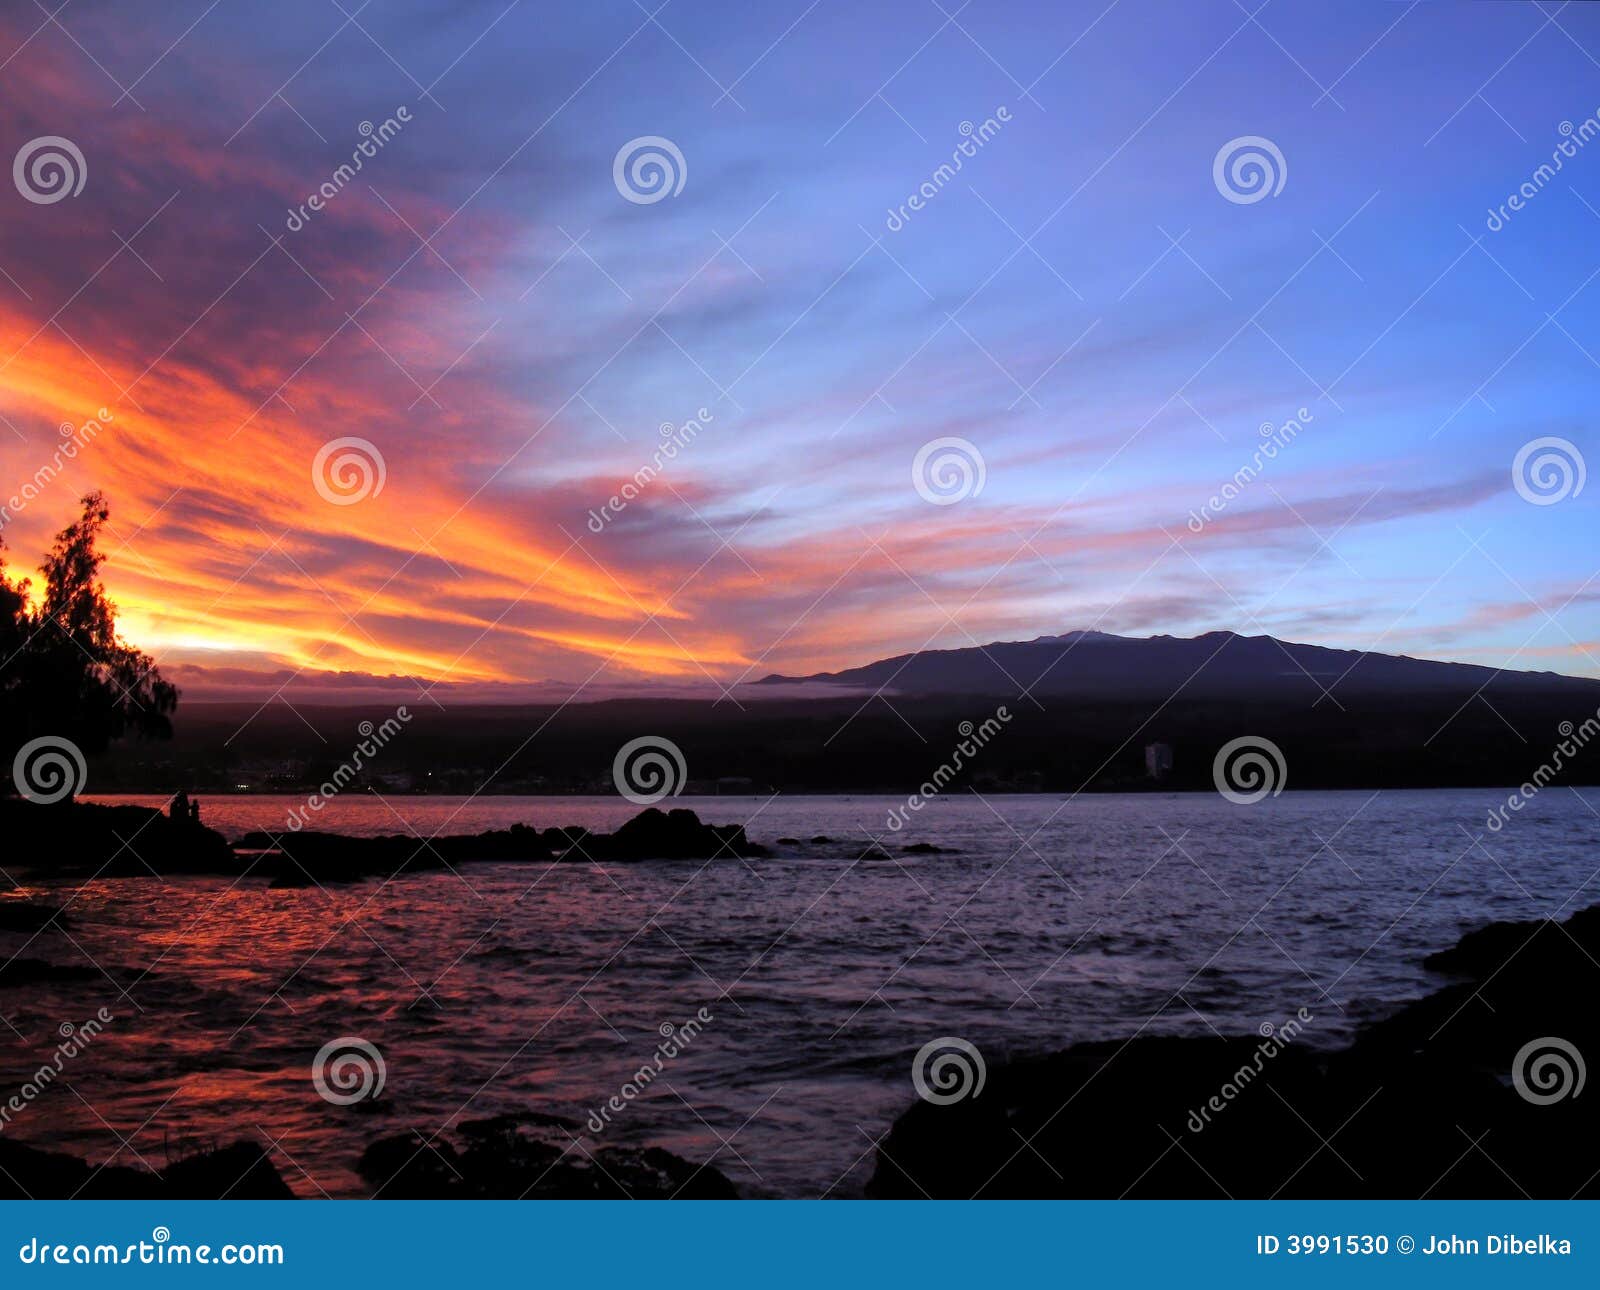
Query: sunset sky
(1081, 302)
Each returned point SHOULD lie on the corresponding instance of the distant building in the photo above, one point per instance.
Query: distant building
(1158, 760)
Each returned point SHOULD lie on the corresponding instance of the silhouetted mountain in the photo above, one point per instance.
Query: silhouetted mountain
(1100, 667)
(1094, 703)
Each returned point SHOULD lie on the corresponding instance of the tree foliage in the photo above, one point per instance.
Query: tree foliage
(64, 671)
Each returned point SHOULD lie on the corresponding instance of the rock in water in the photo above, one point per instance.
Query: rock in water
(1472, 1091)
(238, 1172)
(532, 1158)
(112, 841)
(301, 859)
(29, 916)
(667, 835)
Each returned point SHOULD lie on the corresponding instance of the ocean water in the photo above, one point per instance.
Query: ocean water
(504, 988)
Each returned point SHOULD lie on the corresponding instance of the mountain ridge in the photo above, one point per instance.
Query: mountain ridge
(1219, 664)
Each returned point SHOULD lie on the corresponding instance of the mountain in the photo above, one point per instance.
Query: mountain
(1393, 722)
(1098, 666)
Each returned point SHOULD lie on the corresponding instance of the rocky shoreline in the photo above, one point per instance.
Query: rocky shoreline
(240, 1171)
(530, 1157)
(507, 1158)
(1474, 1091)
(298, 859)
(139, 841)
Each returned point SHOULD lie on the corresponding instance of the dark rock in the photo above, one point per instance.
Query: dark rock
(134, 840)
(821, 840)
(1421, 1103)
(667, 835)
(27, 916)
(37, 971)
(302, 859)
(872, 851)
(925, 849)
(1481, 952)
(238, 1172)
(26, 1173)
(788, 842)
(534, 1158)
(566, 834)
(112, 841)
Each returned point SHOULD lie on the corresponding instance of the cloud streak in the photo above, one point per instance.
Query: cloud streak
(480, 304)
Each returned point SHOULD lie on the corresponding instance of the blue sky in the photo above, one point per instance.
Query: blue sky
(1081, 304)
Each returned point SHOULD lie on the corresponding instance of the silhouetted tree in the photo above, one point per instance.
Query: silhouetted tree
(64, 671)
